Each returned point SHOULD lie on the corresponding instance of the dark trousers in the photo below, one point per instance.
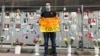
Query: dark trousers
(52, 36)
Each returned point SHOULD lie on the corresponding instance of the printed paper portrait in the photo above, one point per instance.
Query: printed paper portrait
(18, 15)
(18, 26)
(31, 15)
(85, 27)
(31, 27)
(66, 27)
(7, 15)
(6, 26)
(66, 15)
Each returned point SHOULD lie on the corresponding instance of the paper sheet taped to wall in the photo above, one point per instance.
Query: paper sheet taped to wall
(49, 24)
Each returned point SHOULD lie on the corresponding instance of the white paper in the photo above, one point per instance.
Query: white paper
(66, 30)
(73, 14)
(85, 17)
(69, 21)
(6, 28)
(12, 14)
(31, 17)
(66, 17)
(73, 26)
(18, 50)
(24, 23)
(37, 23)
(18, 17)
(17, 29)
(96, 49)
(7, 17)
(85, 29)
(38, 15)
(93, 23)
(8, 37)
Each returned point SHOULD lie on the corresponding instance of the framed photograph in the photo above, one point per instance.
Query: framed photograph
(18, 15)
(66, 15)
(31, 27)
(6, 26)
(85, 15)
(31, 15)
(66, 27)
(85, 27)
(7, 15)
(11, 26)
(18, 21)
(12, 20)
(93, 21)
(18, 26)
(25, 21)
(12, 15)
(73, 27)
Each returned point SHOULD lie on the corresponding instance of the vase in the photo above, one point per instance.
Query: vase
(69, 50)
(37, 49)
(18, 49)
(96, 49)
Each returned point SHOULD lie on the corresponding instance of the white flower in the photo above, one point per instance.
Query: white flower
(73, 14)
(69, 21)
(73, 38)
(94, 40)
(73, 26)
(98, 40)
(3, 36)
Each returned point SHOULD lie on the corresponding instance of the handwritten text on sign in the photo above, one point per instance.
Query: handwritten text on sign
(49, 24)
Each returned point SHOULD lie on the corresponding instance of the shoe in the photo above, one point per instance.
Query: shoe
(54, 54)
(45, 55)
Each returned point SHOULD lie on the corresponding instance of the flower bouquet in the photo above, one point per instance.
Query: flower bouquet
(96, 43)
(69, 44)
(17, 42)
(66, 41)
(37, 40)
(99, 42)
(72, 40)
